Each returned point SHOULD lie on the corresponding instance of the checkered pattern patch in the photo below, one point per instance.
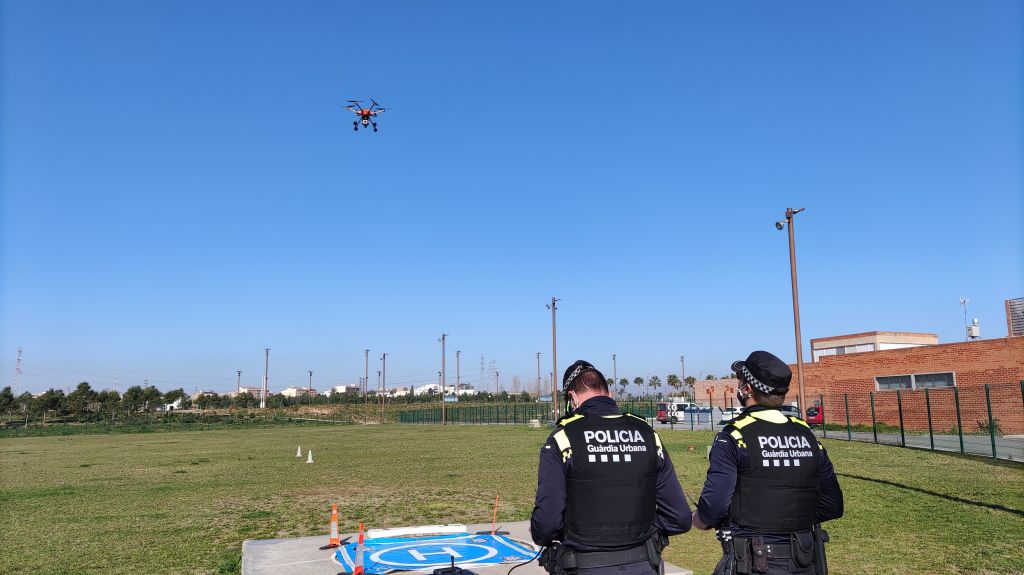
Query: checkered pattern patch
(610, 458)
(753, 381)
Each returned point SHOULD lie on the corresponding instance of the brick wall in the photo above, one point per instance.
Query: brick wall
(843, 379)
(720, 386)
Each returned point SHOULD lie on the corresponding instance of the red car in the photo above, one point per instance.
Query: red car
(815, 415)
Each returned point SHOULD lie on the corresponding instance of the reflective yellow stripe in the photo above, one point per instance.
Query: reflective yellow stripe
(636, 416)
(657, 441)
(743, 422)
(796, 419)
(770, 415)
(739, 438)
(562, 440)
(569, 420)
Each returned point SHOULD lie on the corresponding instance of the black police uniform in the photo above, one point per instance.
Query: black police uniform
(769, 483)
(605, 489)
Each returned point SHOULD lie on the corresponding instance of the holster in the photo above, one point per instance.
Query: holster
(551, 559)
(758, 555)
(655, 545)
(801, 546)
(741, 553)
(820, 538)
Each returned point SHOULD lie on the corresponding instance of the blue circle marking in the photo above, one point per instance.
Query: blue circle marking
(405, 556)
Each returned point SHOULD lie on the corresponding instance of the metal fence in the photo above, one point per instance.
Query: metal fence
(504, 413)
(980, 420)
(157, 423)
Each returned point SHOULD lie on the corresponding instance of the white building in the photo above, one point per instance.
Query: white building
(292, 391)
(869, 341)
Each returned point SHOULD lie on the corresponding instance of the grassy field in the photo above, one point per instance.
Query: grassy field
(183, 502)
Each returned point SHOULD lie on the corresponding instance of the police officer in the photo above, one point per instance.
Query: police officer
(607, 494)
(770, 483)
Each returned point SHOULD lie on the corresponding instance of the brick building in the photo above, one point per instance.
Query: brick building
(918, 379)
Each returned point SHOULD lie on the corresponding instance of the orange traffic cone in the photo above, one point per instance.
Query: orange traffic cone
(335, 540)
(359, 553)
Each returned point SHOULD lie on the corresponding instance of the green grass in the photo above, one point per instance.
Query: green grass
(182, 502)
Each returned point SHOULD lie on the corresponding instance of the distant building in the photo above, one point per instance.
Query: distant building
(1015, 317)
(254, 391)
(344, 389)
(868, 341)
(292, 391)
(205, 392)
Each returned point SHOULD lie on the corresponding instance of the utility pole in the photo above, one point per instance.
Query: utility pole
(790, 212)
(615, 376)
(538, 373)
(309, 392)
(458, 372)
(554, 358)
(682, 371)
(444, 336)
(366, 372)
(384, 360)
(17, 375)
(497, 387)
(381, 393)
(238, 387)
(266, 379)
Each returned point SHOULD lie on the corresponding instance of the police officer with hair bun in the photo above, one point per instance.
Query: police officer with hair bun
(607, 494)
(770, 483)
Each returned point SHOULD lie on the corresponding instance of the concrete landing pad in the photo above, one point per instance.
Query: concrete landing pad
(302, 555)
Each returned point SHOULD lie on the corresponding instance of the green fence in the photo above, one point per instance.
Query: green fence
(156, 423)
(503, 413)
(980, 420)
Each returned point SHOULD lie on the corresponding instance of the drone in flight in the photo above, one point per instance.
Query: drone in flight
(366, 115)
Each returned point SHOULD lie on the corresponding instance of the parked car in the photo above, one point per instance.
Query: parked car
(815, 415)
(677, 411)
(728, 414)
(788, 410)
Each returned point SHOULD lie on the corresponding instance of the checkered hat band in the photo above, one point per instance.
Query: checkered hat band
(753, 381)
(573, 375)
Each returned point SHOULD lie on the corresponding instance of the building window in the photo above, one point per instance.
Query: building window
(933, 380)
(895, 382)
(915, 381)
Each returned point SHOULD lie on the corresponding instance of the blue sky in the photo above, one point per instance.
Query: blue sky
(181, 187)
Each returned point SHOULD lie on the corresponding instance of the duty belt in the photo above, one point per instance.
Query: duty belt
(572, 560)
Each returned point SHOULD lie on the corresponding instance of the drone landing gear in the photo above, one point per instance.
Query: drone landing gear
(375, 126)
(355, 126)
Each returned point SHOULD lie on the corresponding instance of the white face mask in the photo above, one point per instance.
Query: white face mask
(742, 397)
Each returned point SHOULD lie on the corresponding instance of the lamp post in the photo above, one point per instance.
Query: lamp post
(554, 358)
(538, 373)
(366, 373)
(779, 225)
(309, 392)
(444, 336)
(615, 373)
(266, 379)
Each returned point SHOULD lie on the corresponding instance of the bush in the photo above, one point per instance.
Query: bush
(987, 427)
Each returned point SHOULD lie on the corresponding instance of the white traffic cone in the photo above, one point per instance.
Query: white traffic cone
(298, 451)
(309, 456)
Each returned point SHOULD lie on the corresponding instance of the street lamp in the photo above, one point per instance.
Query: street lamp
(441, 374)
(779, 225)
(615, 374)
(554, 358)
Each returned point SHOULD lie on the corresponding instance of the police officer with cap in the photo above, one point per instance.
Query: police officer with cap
(607, 494)
(770, 483)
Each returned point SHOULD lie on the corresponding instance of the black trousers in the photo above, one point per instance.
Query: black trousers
(638, 568)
